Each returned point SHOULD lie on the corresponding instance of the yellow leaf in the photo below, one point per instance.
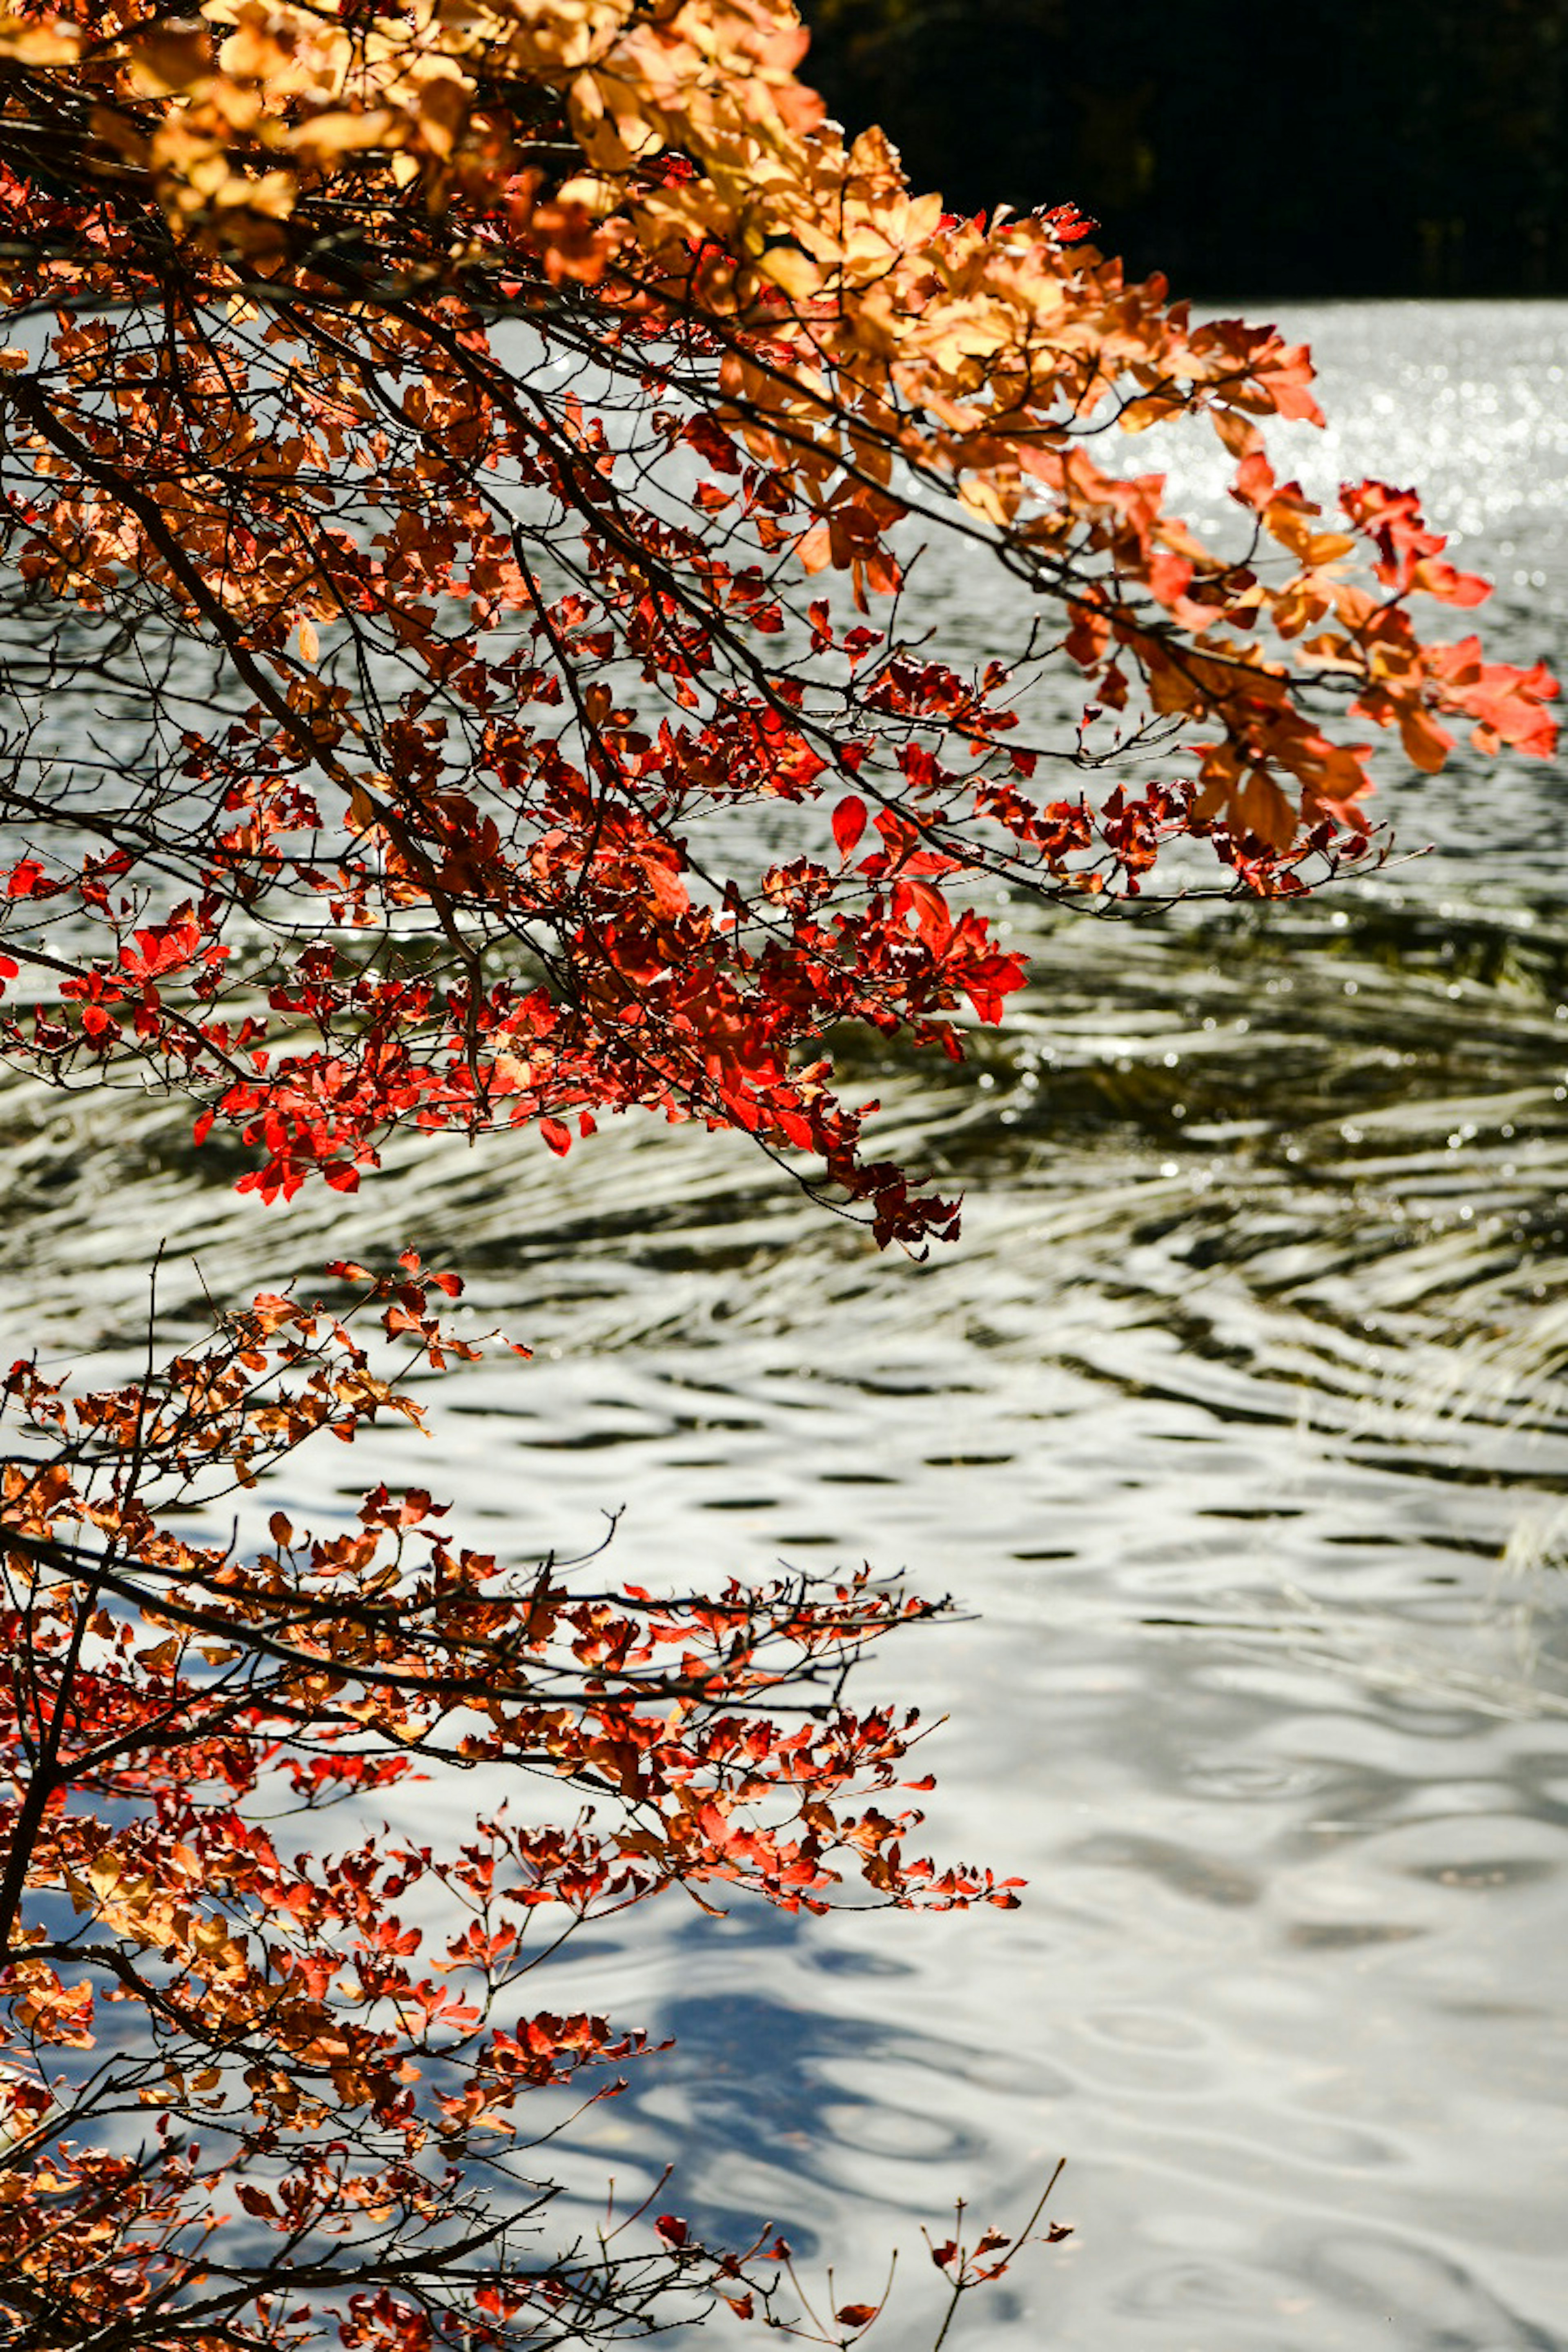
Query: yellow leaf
(54, 44)
(1263, 809)
(105, 1872)
(1426, 745)
(794, 272)
(339, 131)
(1138, 415)
(165, 61)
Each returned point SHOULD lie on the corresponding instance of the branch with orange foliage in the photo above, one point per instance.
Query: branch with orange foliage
(440, 433)
(299, 2118)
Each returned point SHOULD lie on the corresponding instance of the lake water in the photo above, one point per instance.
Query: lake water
(1236, 1423)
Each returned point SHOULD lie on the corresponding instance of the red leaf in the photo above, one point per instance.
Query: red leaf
(672, 2229)
(857, 2314)
(705, 435)
(848, 824)
(557, 1135)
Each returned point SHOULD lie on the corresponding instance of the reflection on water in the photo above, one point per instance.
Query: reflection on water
(1235, 1418)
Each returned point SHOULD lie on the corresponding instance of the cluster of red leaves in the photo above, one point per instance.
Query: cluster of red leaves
(431, 416)
(180, 1713)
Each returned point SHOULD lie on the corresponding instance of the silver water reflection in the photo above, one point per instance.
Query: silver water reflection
(1235, 1420)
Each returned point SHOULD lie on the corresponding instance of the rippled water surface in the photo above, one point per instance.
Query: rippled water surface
(1235, 1421)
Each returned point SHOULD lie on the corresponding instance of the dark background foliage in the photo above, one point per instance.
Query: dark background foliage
(1376, 147)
